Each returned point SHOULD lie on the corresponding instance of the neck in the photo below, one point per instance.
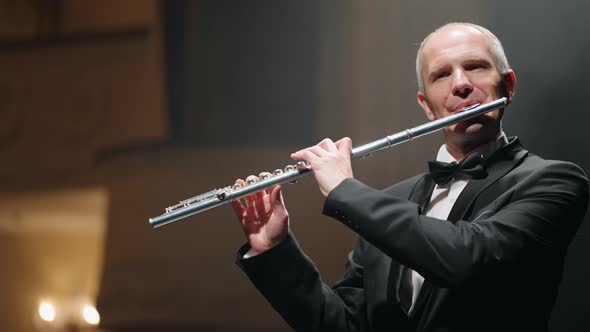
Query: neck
(461, 148)
(460, 151)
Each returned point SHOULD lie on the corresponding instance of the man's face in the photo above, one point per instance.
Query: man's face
(458, 71)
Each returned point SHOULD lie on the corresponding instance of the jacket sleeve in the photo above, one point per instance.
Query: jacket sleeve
(290, 282)
(533, 221)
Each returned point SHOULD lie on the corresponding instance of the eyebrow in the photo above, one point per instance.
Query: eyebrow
(436, 71)
(479, 60)
(482, 60)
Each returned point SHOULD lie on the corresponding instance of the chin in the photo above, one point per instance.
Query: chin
(468, 128)
(474, 129)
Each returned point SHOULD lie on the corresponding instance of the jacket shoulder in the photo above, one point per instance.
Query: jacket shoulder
(534, 164)
(404, 187)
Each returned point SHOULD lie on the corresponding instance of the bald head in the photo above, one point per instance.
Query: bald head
(494, 45)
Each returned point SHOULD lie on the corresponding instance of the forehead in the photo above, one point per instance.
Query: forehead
(455, 43)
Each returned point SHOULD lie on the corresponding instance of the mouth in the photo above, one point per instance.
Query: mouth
(465, 106)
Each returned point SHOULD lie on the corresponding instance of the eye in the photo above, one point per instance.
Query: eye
(475, 66)
(439, 75)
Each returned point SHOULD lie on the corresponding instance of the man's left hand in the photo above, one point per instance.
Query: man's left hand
(330, 162)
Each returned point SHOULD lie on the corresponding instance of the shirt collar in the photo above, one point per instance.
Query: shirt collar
(486, 150)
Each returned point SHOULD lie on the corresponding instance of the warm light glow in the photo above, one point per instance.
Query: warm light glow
(90, 315)
(47, 311)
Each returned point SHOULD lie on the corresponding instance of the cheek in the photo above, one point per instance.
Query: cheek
(430, 115)
(489, 85)
(434, 109)
(438, 94)
(496, 114)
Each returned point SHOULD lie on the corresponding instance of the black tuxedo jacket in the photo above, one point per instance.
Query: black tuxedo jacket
(495, 265)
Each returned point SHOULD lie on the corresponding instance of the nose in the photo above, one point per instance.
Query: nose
(461, 84)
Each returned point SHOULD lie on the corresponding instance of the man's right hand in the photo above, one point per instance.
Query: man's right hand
(263, 217)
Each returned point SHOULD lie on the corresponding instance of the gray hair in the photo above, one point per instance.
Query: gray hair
(494, 44)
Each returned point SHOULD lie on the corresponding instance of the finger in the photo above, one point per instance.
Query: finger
(276, 199)
(258, 202)
(328, 145)
(252, 219)
(264, 176)
(310, 152)
(306, 155)
(238, 209)
(276, 196)
(251, 178)
(344, 144)
(249, 200)
(241, 183)
(259, 194)
(260, 206)
(318, 150)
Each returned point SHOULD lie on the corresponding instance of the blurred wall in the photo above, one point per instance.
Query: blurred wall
(87, 81)
(78, 78)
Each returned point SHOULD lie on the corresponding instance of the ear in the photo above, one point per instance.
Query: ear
(423, 101)
(509, 84)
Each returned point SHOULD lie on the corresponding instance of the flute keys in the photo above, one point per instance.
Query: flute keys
(302, 165)
(222, 193)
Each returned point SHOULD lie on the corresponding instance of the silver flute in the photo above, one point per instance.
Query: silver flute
(292, 173)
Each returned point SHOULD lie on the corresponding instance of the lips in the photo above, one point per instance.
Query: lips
(462, 106)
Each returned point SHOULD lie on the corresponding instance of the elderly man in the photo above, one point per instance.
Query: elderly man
(474, 248)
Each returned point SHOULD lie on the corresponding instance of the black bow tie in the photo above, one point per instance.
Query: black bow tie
(472, 165)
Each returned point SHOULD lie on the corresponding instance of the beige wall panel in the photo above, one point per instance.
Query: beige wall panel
(51, 246)
(62, 103)
(45, 266)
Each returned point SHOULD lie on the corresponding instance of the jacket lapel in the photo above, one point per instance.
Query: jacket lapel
(420, 194)
(500, 163)
(422, 191)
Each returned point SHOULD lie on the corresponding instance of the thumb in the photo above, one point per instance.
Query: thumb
(278, 204)
(276, 196)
